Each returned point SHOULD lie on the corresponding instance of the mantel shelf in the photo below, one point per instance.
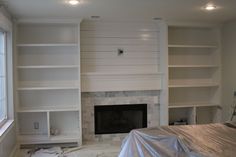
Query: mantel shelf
(191, 46)
(46, 45)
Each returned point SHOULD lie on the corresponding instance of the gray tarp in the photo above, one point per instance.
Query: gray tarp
(211, 140)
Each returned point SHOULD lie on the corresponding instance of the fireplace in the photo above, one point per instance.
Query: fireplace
(119, 118)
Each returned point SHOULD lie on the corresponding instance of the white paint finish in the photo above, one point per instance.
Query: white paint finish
(192, 56)
(26, 123)
(121, 69)
(36, 33)
(118, 9)
(28, 56)
(192, 46)
(127, 48)
(193, 66)
(194, 74)
(8, 144)
(121, 82)
(192, 95)
(192, 36)
(48, 100)
(66, 122)
(182, 114)
(119, 61)
(228, 66)
(48, 67)
(126, 55)
(48, 75)
(205, 115)
(193, 104)
(48, 78)
(97, 25)
(164, 93)
(8, 137)
(99, 54)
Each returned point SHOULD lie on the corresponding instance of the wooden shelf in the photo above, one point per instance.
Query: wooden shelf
(40, 139)
(33, 139)
(191, 46)
(64, 138)
(47, 88)
(47, 109)
(194, 85)
(47, 66)
(193, 66)
(192, 104)
(46, 45)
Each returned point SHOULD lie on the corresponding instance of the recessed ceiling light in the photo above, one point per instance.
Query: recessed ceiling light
(210, 7)
(157, 18)
(73, 2)
(95, 17)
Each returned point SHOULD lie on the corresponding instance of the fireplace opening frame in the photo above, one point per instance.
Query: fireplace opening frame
(119, 108)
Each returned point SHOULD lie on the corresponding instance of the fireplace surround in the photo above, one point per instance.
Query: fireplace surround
(92, 99)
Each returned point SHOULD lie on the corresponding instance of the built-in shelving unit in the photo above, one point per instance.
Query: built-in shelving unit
(48, 82)
(194, 74)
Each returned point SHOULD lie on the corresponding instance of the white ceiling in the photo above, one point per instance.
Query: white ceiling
(184, 10)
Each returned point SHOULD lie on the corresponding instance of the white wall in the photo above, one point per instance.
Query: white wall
(8, 143)
(8, 139)
(228, 67)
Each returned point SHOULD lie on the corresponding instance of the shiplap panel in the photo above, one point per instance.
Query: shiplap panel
(100, 42)
(120, 34)
(118, 41)
(119, 25)
(121, 82)
(113, 55)
(126, 48)
(120, 68)
(119, 61)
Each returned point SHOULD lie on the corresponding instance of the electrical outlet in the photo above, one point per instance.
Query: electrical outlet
(36, 125)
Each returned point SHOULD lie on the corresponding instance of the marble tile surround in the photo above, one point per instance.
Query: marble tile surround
(91, 99)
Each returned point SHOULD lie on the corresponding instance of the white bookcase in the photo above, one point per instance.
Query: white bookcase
(48, 81)
(194, 74)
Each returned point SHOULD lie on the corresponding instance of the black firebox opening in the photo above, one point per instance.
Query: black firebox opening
(120, 118)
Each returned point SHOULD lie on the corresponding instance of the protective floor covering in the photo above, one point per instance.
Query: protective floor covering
(211, 140)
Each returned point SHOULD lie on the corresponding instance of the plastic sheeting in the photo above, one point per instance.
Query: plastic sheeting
(211, 140)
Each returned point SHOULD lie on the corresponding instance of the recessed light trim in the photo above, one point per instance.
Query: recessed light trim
(73, 2)
(210, 7)
(95, 17)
